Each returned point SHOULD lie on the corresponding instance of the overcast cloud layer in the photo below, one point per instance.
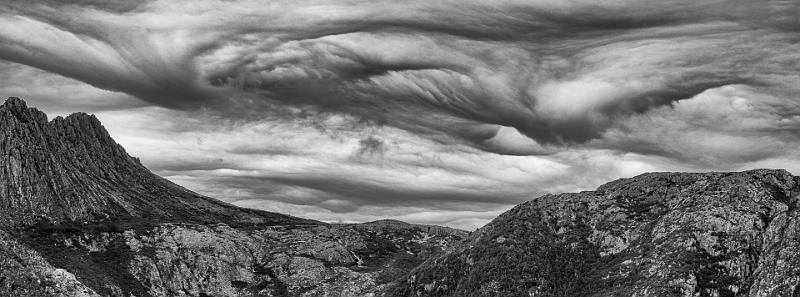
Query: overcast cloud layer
(443, 111)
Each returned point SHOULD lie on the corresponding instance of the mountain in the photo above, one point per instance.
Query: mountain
(657, 234)
(80, 217)
(70, 170)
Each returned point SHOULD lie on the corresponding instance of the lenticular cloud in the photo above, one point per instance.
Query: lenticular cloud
(517, 77)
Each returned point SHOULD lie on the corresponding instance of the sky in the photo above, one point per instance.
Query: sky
(441, 112)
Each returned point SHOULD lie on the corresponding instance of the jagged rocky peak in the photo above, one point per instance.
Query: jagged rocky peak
(15, 109)
(657, 234)
(70, 169)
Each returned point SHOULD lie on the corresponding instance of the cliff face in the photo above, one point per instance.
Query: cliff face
(659, 234)
(70, 169)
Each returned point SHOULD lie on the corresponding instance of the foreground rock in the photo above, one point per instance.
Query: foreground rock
(659, 234)
(218, 260)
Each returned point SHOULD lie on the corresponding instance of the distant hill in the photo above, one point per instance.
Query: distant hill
(433, 229)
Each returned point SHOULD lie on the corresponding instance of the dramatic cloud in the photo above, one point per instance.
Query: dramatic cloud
(349, 108)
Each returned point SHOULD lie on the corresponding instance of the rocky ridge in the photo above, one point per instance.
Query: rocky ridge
(70, 170)
(657, 234)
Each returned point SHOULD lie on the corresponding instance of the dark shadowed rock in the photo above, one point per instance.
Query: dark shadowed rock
(658, 234)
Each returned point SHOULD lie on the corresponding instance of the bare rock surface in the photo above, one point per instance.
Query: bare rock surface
(657, 234)
(70, 170)
(218, 260)
(25, 273)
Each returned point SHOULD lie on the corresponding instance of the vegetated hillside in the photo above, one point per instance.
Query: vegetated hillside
(658, 234)
(80, 217)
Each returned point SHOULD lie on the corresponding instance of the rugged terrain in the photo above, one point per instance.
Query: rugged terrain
(70, 169)
(657, 234)
(80, 217)
(173, 259)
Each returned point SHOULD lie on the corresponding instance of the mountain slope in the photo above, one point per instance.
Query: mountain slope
(80, 217)
(659, 234)
(169, 259)
(70, 170)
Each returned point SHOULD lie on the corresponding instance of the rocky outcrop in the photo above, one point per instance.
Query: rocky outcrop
(24, 273)
(219, 260)
(71, 170)
(658, 234)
